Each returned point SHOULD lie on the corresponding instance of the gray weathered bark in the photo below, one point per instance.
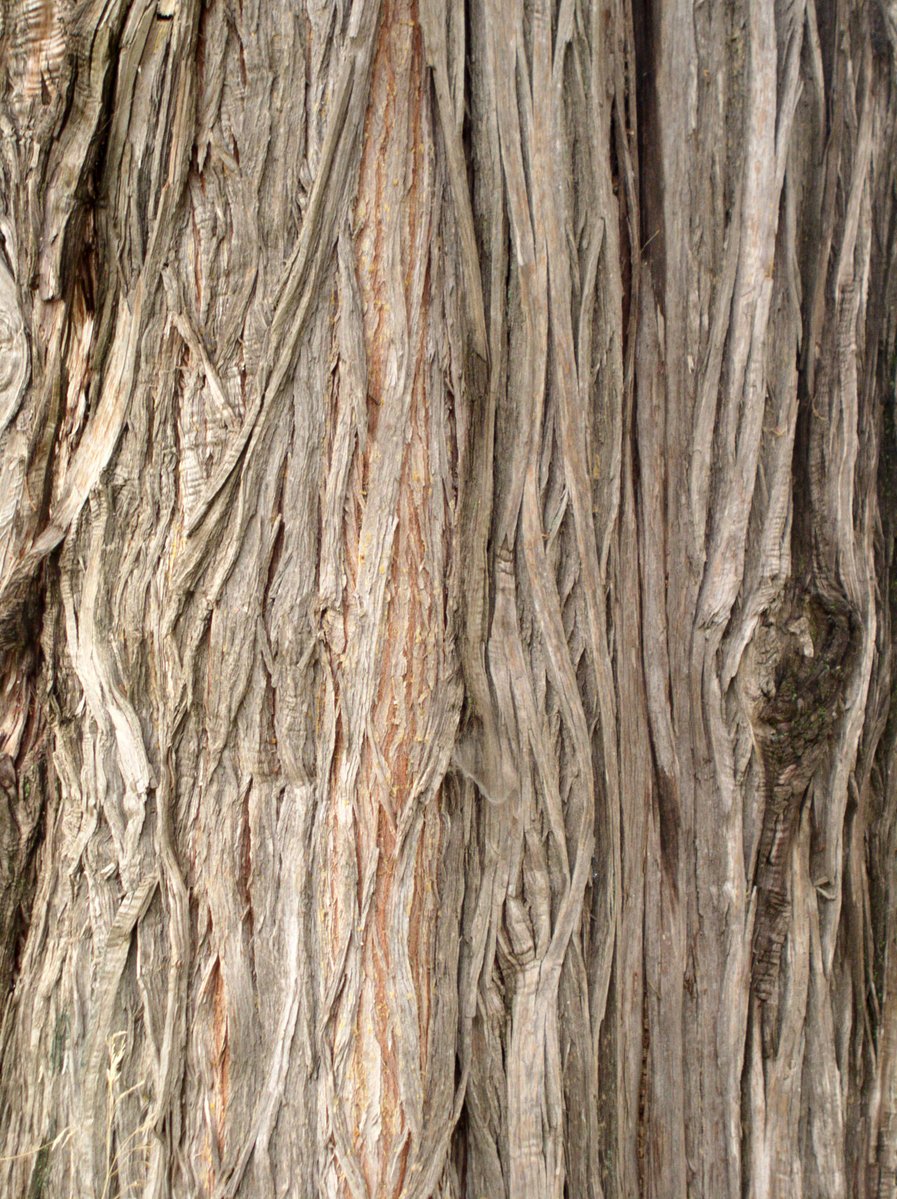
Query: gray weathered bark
(448, 498)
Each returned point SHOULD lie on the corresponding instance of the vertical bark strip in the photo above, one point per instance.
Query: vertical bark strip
(448, 501)
(392, 696)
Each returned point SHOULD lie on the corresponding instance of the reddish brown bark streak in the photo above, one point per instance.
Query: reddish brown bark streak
(393, 216)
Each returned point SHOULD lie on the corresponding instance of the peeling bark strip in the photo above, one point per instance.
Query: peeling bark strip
(448, 508)
(392, 692)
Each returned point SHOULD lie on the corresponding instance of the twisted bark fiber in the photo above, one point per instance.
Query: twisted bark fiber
(448, 501)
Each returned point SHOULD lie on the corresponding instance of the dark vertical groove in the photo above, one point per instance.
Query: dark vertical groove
(648, 106)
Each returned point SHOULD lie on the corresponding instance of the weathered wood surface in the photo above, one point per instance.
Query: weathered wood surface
(448, 491)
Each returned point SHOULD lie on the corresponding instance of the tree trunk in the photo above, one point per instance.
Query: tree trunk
(448, 500)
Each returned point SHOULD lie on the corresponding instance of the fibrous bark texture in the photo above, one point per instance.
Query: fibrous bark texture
(448, 500)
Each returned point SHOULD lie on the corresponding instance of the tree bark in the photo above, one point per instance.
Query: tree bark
(448, 500)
